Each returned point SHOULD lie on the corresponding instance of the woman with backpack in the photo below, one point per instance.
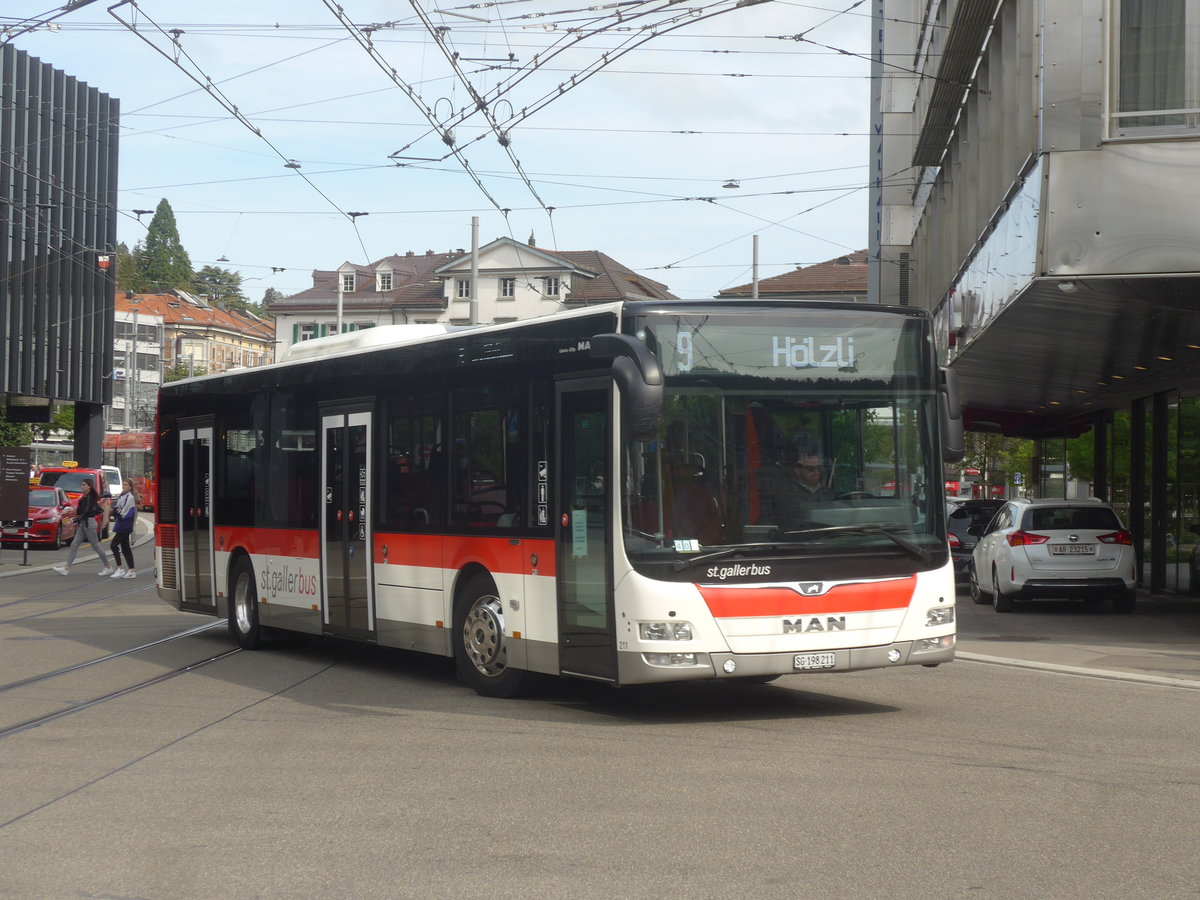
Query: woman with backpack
(86, 511)
(124, 515)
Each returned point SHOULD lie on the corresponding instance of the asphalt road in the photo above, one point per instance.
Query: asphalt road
(320, 769)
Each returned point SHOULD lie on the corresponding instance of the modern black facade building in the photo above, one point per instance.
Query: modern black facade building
(58, 209)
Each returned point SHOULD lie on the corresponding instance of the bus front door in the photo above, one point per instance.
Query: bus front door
(587, 643)
(195, 519)
(345, 523)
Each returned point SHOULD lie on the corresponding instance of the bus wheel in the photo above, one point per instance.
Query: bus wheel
(243, 606)
(479, 646)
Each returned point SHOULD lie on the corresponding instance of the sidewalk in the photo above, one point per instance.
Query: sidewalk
(1159, 643)
(12, 558)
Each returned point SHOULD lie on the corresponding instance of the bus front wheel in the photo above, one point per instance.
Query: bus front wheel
(243, 607)
(480, 647)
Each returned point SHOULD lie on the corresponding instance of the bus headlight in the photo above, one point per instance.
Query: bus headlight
(928, 645)
(665, 631)
(939, 615)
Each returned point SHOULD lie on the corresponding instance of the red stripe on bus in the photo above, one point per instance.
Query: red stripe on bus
(729, 603)
(297, 542)
(435, 551)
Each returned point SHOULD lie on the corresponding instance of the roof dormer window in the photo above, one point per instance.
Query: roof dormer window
(347, 282)
(383, 281)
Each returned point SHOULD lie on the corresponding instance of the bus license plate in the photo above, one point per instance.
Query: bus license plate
(1072, 549)
(814, 661)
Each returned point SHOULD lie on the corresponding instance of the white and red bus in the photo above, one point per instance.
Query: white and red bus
(605, 493)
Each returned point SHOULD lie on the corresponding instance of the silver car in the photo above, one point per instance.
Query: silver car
(1054, 548)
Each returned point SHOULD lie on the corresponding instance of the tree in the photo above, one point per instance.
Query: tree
(998, 457)
(163, 262)
(129, 270)
(182, 370)
(14, 434)
(221, 286)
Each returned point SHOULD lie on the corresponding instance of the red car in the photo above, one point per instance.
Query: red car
(51, 516)
(70, 478)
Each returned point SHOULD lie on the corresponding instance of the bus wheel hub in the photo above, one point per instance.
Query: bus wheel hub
(483, 635)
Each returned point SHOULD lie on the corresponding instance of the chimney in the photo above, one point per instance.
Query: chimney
(409, 253)
(531, 241)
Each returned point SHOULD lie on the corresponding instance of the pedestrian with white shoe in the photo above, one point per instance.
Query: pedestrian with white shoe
(86, 511)
(124, 515)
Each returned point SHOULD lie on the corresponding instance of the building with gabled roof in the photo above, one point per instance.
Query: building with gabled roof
(842, 278)
(515, 281)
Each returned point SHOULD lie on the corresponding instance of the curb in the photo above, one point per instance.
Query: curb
(1106, 674)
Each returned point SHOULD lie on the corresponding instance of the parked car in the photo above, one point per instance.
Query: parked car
(51, 519)
(960, 516)
(70, 477)
(1053, 548)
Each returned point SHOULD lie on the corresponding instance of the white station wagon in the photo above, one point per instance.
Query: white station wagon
(1053, 548)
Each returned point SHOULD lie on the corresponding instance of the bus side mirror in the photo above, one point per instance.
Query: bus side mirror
(950, 413)
(636, 371)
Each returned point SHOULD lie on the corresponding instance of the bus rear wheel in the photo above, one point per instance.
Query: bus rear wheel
(480, 647)
(243, 606)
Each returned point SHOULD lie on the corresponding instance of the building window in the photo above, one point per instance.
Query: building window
(384, 281)
(347, 282)
(508, 288)
(552, 286)
(1156, 86)
(307, 332)
(464, 288)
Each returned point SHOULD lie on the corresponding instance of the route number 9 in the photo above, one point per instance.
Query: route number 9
(683, 350)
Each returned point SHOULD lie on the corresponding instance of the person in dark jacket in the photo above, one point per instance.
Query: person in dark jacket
(124, 515)
(86, 511)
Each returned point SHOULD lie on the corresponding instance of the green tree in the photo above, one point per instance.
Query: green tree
(999, 458)
(13, 434)
(129, 270)
(221, 286)
(182, 370)
(162, 261)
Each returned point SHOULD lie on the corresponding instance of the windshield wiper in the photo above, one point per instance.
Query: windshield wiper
(880, 528)
(738, 550)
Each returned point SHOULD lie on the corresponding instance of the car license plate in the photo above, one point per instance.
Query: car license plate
(814, 661)
(1072, 549)
(12, 530)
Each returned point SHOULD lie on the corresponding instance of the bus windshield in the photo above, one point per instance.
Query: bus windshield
(806, 437)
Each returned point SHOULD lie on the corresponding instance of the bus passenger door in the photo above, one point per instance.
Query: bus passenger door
(195, 519)
(345, 521)
(587, 643)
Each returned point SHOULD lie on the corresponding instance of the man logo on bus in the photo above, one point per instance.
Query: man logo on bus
(811, 588)
(814, 623)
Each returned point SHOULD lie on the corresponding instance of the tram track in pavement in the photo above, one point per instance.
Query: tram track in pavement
(51, 595)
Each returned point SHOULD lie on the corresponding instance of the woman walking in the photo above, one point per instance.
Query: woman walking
(124, 515)
(86, 511)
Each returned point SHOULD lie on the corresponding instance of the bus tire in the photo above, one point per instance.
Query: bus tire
(480, 651)
(243, 606)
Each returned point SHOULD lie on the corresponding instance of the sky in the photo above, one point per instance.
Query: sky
(612, 127)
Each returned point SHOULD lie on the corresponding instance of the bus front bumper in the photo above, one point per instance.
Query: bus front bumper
(644, 668)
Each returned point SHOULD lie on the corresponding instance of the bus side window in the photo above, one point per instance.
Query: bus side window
(485, 452)
(413, 460)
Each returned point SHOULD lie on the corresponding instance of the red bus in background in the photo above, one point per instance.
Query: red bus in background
(133, 453)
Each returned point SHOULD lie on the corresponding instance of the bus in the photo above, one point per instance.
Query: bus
(133, 453)
(603, 493)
